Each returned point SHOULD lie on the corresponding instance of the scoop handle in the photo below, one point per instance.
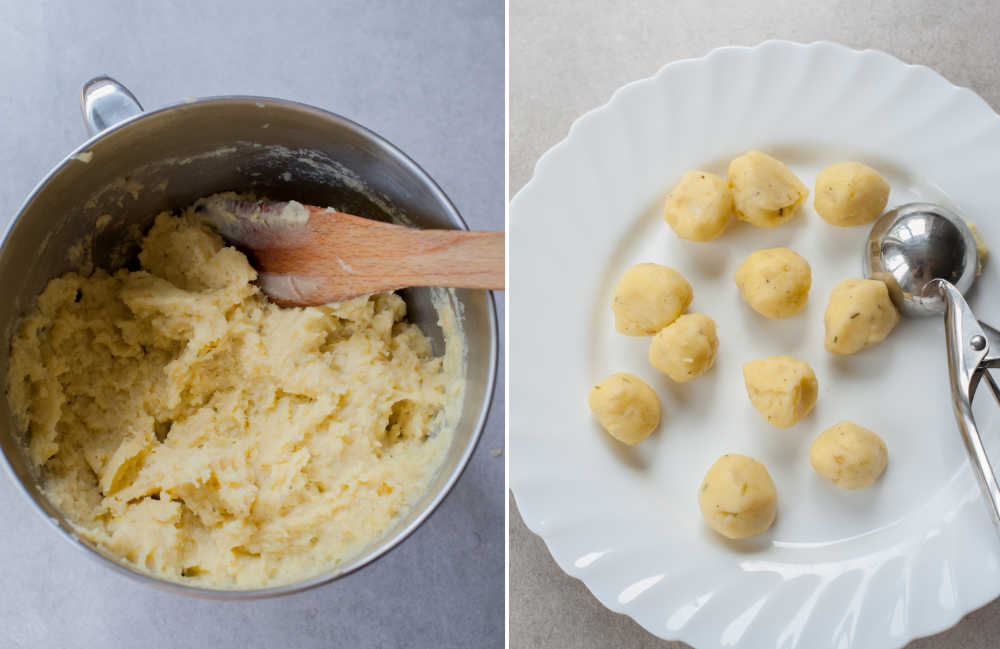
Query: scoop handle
(968, 345)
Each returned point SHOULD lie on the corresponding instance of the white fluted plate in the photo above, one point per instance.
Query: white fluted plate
(875, 568)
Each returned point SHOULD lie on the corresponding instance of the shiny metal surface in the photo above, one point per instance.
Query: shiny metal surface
(967, 347)
(927, 257)
(915, 243)
(165, 159)
(105, 102)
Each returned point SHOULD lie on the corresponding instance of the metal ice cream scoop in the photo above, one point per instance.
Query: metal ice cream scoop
(927, 257)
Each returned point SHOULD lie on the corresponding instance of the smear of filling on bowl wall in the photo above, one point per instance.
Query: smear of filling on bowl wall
(206, 436)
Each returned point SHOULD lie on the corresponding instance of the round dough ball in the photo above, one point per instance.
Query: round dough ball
(781, 388)
(700, 207)
(849, 456)
(648, 298)
(850, 193)
(765, 192)
(737, 497)
(685, 349)
(860, 314)
(626, 407)
(775, 282)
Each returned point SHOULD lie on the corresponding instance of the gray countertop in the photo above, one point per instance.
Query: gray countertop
(569, 56)
(428, 77)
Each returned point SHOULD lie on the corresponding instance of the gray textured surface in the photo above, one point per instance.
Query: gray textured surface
(567, 57)
(427, 77)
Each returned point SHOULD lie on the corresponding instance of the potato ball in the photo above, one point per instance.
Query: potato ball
(737, 498)
(860, 314)
(782, 388)
(648, 298)
(765, 192)
(850, 193)
(774, 282)
(849, 456)
(700, 207)
(685, 349)
(626, 407)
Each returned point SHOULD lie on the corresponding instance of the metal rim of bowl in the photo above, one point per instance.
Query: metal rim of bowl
(398, 537)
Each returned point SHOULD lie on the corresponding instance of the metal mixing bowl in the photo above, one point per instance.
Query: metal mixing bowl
(141, 163)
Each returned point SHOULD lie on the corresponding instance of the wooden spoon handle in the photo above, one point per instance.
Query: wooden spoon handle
(334, 256)
(446, 258)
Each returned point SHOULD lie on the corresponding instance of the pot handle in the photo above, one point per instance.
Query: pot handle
(106, 102)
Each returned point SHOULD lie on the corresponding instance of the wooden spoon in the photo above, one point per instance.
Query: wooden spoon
(307, 255)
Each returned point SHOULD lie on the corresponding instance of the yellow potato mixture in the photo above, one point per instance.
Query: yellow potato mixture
(186, 424)
(737, 497)
(626, 407)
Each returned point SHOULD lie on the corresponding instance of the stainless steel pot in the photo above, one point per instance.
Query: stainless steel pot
(138, 164)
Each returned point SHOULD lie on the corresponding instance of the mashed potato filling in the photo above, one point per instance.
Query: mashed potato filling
(186, 424)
